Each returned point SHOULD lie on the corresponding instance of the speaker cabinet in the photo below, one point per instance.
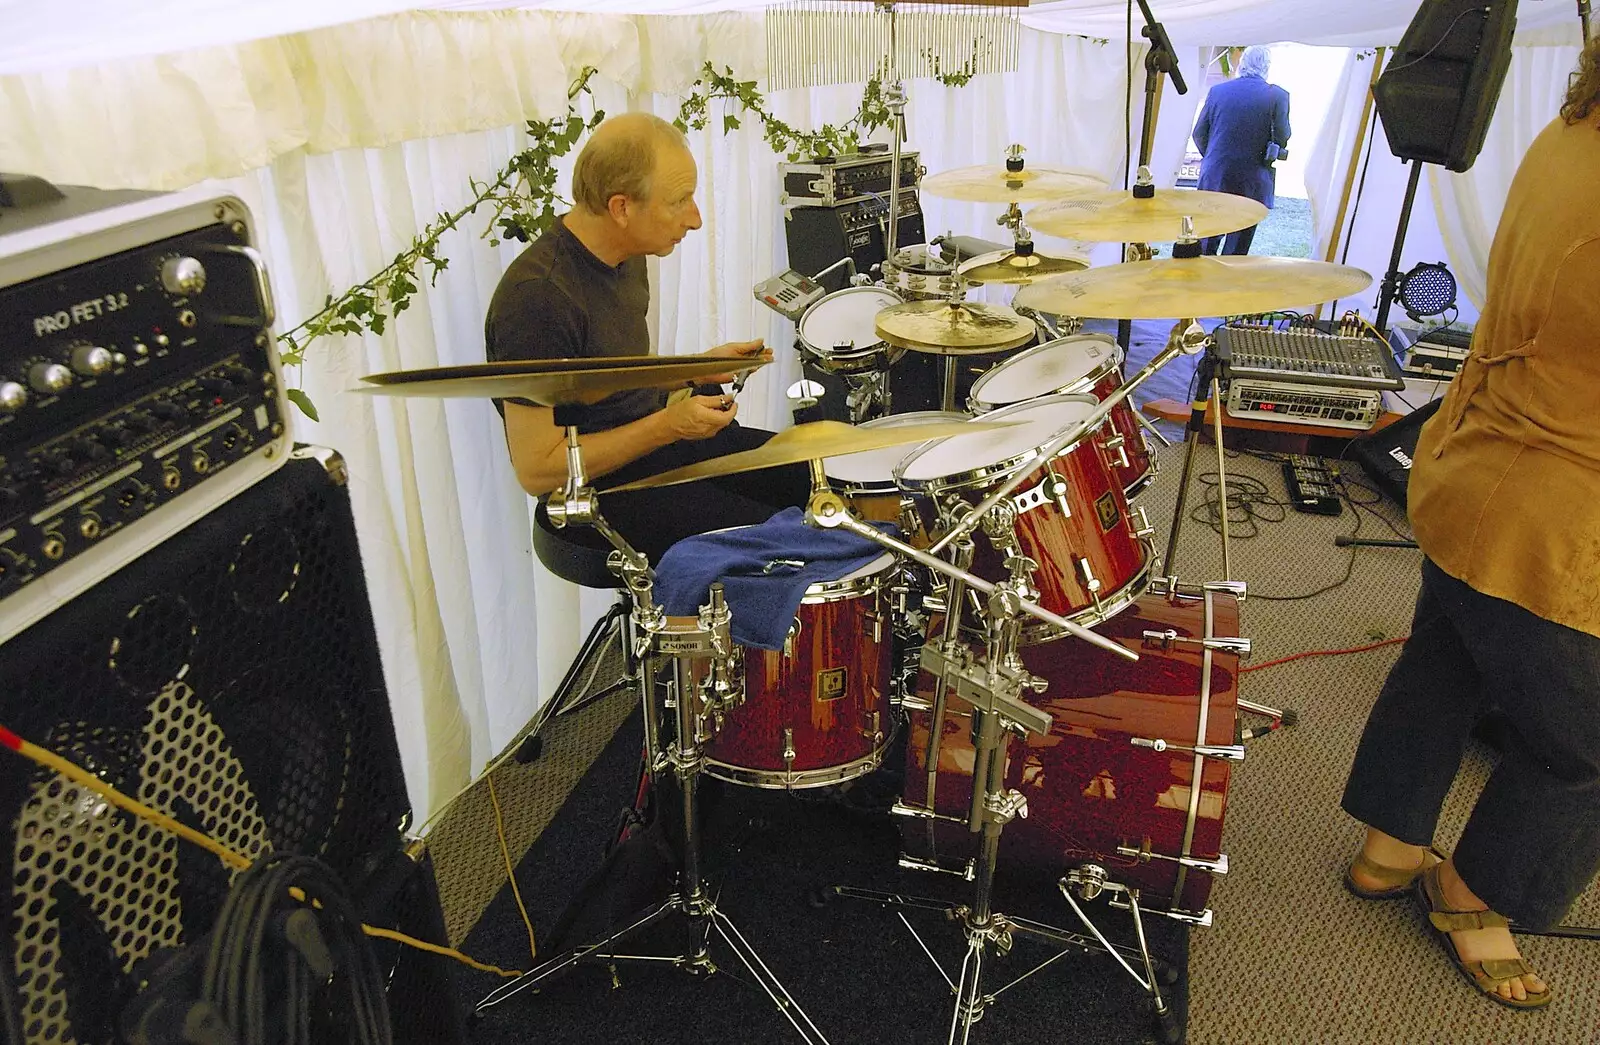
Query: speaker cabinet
(1440, 90)
(229, 677)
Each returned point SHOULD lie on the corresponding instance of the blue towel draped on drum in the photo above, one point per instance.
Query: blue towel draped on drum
(764, 569)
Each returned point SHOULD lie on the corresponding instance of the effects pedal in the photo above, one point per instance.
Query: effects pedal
(1312, 486)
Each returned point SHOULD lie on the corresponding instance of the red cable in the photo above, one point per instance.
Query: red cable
(1323, 653)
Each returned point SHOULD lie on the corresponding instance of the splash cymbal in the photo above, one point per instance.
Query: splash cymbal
(554, 382)
(1121, 217)
(953, 328)
(993, 183)
(1179, 288)
(1007, 266)
(809, 442)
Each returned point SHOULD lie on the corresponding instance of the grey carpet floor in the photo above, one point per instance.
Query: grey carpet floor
(1292, 956)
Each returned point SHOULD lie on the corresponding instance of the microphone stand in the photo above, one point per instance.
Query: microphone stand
(1161, 60)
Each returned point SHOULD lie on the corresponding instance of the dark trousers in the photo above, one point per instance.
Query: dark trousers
(1237, 243)
(654, 520)
(1533, 841)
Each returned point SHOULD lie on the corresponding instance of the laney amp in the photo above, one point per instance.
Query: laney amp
(139, 388)
(846, 179)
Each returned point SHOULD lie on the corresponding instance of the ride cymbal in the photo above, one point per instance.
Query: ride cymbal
(953, 328)
(808, 442)
(555, 382)
(1189, 288)
(1120, 217)
(1007, 266)
(993, 183)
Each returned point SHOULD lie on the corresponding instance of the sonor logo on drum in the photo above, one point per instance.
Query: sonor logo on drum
(1105, 506)
(832, 684)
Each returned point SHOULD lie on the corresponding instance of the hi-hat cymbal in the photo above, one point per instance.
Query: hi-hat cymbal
(809, 442)
(553, 382)
(992, 183)
(1179, 288)
(1007, 266)
(953, 328)
(1120, 217)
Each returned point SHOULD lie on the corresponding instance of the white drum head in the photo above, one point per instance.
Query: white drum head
(876, 467)
(846, 320)
(1051, 367)
(958, 455)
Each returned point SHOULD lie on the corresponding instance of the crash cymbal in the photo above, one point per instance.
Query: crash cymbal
(1007, 266)
(1180, 288)
(553, 382)
(953, 328)
(809, 442)
(1119, 217)
(992, 183)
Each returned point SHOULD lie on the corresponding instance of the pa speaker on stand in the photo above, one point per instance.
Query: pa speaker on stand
(1438, 96)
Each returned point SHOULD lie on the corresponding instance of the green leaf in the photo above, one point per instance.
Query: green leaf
(730, 123)
(303, 401)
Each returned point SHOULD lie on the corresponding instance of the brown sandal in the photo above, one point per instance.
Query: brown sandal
(1488, 975)
(1397, 881)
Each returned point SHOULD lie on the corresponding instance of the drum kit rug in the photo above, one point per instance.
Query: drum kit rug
(1022, 606)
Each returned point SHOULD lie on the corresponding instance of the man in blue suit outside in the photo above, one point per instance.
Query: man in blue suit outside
(1243, 128)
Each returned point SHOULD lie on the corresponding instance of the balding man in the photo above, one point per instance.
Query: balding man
(581, 291)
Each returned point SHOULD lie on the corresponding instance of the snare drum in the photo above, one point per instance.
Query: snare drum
(818, 712)
(1094, 797)
(839, 334)
(866, 480)
(1093, 553)
(1083, 364)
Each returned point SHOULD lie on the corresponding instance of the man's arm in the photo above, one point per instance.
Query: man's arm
(1280, 119)
(539, 449)
(1202, 128)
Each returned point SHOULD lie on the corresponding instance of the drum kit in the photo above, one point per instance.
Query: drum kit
(1019, 598)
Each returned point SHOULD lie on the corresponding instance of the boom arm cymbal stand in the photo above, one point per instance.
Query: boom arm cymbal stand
(993, 686)
(698, 699)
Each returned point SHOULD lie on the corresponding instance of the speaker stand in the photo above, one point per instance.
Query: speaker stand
(1391, 279)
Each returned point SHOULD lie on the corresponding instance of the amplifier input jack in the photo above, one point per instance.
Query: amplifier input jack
(234, 438)
(171, 478)
(89, 526)
(200, 462)
(53, 547)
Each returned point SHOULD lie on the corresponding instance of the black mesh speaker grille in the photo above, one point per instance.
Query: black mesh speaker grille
(230, 678)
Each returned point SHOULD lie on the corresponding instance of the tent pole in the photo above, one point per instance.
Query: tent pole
(1355, 164)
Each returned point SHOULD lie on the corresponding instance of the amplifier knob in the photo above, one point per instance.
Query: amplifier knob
(49, 378)
(55, 462)
(167, 410)
(90, 360)
(140, 420)
(184, 276)
(13, 397)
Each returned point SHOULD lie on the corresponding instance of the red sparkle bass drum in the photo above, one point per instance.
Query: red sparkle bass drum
(819, 711)
(1151, 819)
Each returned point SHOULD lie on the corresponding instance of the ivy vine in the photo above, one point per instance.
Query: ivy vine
(523, 202)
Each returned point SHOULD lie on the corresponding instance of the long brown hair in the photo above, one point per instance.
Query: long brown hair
(1583, 97)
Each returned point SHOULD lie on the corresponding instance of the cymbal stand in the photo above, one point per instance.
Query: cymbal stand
(698, 698)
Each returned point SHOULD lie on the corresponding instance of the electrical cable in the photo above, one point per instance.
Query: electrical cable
(1322, 653)
(1355, 210)
(236, 861)
(511, 871)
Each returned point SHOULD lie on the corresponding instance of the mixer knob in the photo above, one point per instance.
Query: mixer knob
(184, 276)
(13, 397)
(49, 378)
(167, 410)
(140, 420)
(89, 449)
(114, 436)
(90, 360)
(55, 462)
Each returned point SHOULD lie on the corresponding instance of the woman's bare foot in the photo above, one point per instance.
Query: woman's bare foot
(1484, 944)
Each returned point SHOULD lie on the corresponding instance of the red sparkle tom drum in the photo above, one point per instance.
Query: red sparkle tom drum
(818, 712)
(1094, 796)
(1093, 554)
(1082, 364)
